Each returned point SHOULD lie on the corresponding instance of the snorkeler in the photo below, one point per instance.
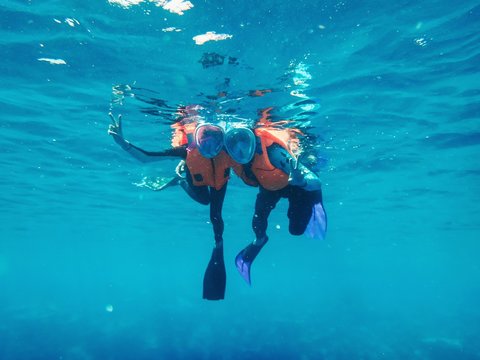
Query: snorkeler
(262, 159)
(207, 171)
(267, 162)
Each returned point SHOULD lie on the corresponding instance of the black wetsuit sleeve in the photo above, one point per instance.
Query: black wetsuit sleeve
(179, 151)
(279, 157)
(149, 156)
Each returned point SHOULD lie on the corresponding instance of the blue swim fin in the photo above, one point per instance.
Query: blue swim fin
(317, 226)
(243, 267)
(215, 279)
(244, 259)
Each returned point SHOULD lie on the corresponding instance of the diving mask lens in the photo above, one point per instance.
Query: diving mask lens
(209, 140)
(240, 144)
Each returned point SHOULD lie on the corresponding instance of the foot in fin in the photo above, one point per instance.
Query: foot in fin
(166, 182)
(244, 259)
(215, 279)
(243, 266)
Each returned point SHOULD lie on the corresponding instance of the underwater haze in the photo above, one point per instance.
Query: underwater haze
(96, 264)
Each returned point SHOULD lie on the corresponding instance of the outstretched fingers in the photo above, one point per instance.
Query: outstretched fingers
(117, 122)
(115, 128)
(112, 118)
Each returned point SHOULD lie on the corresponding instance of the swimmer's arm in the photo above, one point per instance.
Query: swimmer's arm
(115, 129)
(299, 175)
(304, 178)
(149, 156)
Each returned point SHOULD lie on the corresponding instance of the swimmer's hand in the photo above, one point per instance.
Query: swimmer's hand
(180, 169)
(115, 129)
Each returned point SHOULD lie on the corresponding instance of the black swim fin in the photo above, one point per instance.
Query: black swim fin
(215, 279)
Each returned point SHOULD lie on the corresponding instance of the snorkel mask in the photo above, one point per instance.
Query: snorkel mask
(209, 140)
(240, 144)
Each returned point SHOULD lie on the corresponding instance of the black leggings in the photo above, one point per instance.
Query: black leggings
(300, 205)
(208, 195)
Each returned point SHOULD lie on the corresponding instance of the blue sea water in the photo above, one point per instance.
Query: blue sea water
(96, 265)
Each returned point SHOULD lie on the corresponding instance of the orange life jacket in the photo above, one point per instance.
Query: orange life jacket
(239, 169)
(267, 175)
(205, 172)
(209, 172)
(270, 177)
(183, 133)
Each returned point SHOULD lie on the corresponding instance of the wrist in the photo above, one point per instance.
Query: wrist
(126, 145)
